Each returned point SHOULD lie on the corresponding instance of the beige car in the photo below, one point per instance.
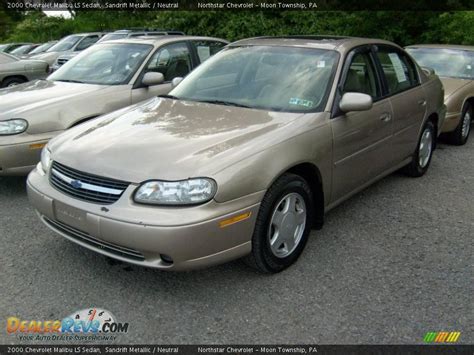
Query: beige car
(455, 67)
(14, 71)
(106, 77)
(244, 156)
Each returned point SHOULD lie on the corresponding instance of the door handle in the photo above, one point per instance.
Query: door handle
(385, 117)
(422, 102)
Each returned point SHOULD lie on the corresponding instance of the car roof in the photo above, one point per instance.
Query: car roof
(159, 40)
(339, 43)
(442, 46)
(87, 34)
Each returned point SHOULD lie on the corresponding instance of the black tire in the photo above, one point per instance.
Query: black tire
(457, 137)
(262, 258)
(415, 169)
(14, 80)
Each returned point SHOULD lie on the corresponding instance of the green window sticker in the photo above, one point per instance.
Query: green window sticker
(300, 102)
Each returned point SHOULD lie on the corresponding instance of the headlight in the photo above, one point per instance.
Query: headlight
(45, 159)
(184, 192)
(14, 126)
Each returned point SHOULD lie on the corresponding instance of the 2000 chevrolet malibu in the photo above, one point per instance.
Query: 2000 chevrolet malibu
(244, 156)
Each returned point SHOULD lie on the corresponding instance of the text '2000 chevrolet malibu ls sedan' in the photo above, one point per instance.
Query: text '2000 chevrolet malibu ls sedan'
(244, 156)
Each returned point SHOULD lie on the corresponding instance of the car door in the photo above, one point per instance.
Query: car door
(172, 60)
(362, 144)
(402, 85)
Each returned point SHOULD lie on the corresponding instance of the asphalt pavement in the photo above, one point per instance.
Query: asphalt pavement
(391, 264)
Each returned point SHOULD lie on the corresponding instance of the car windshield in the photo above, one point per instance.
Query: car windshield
(454, 63)
(65, 44)
(113, 36)
(21, 50)
(104, 64)
(42, 48)
(286, 79)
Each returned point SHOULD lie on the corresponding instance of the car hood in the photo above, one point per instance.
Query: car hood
(451, 85)
(169, 139)
(21, 101)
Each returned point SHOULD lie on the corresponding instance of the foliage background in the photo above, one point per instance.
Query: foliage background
(403, 27)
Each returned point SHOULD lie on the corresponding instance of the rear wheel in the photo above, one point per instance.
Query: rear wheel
(424, 151)
(13, 81)
(283, 225)
(461, 134)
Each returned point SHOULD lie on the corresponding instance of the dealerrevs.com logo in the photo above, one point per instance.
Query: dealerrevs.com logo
(86, 324)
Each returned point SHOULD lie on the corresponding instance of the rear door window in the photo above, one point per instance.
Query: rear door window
(206, 49)
(400, 73)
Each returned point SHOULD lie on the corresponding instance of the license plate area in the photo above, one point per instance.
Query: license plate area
(71, 216)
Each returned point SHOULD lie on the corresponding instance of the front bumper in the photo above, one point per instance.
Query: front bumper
(190, 237)
(451, 122)
(19, 154)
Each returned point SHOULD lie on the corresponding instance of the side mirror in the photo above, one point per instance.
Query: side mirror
(176, 81)
(153, 78)
(355, 101)
(428, 71)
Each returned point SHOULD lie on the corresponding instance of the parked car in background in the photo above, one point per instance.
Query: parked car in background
(23, 50)
(455, 66)
(120, 34)
(8, 47)
(138, 32)
(104, 78)
(61, 60)
(14, 71)
(73, 43)
(244, 156)
(40, 49)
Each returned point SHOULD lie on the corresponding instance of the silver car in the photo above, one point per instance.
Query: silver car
(73, 43)
(14, 71)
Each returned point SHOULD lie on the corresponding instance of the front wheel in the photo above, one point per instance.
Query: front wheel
(460, 135)
(13, 81)
(283, 225)
(424, 151)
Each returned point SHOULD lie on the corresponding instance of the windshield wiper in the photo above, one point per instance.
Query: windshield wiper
(226, 103)
(70, 81)
(169, 97)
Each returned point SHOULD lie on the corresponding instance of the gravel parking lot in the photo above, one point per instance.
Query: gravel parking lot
(391, 264)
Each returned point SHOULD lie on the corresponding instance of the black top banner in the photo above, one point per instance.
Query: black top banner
(261, 5)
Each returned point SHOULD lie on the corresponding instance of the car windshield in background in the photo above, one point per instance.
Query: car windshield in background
(104, 64)
(446, 62)
(65, 44)
(41, 48)
(21, 50)
(112, 36)
(273, 78)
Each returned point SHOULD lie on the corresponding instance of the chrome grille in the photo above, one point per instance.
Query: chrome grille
(97, 243)
(85, 186)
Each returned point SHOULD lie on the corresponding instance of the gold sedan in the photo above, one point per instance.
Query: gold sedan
(244, 156)
(455, 67)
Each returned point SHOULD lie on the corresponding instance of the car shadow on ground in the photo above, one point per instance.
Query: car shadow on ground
(12, 186)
